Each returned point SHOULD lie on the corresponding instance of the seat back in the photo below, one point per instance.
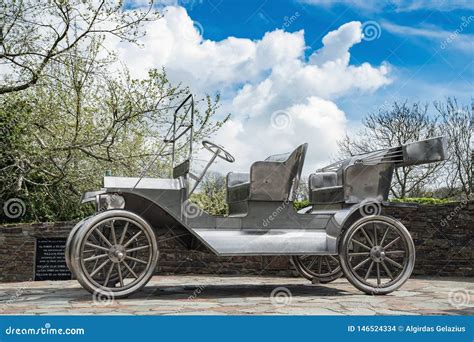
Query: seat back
(320, 180)
(367, 182)
(351, 183)
(324, 188)
(299, 169)
(238, 187)
(277, 177)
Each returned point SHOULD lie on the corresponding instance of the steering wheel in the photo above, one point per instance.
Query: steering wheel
(218, 151)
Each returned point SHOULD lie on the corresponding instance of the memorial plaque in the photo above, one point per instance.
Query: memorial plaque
(50, 261)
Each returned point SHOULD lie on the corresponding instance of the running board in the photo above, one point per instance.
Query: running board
(270, 242)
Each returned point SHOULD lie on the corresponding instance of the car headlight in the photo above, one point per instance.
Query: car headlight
(110, 201)
(115, 201)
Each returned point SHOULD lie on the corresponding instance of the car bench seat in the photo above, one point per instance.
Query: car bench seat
(273, 179)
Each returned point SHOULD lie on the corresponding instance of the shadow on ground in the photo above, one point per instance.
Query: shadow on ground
(214, 291)
(232, 291)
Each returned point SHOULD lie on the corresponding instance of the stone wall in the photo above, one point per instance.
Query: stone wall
(443, 237)
(18, 247)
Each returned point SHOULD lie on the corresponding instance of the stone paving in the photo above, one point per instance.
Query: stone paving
(211, 295)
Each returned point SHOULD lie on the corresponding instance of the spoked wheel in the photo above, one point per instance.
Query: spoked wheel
(115, 254)
(377, 254)
(324, 268)
(114, 278)
(70, 243)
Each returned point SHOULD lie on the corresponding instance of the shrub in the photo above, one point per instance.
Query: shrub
(421, 200)
(301, 204)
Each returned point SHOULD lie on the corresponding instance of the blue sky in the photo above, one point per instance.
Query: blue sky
(251, 19)
(420, 62)
(308, 70)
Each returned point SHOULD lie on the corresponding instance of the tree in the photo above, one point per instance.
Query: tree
(457, 123)
(301, 192)
(212, 194)
(393, 127)
(61, 135)
(35, 33)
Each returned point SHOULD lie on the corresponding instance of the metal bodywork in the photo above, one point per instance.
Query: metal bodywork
(369, 175)
(265, 224)
(263, 220)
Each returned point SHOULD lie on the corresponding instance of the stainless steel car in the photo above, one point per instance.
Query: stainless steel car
(342, 232)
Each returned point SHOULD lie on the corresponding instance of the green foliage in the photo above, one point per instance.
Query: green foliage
(212, 195)
(421, 200)
(213, 205)
(59, 137)
(66, 116)
(301, 204)
(213, 201)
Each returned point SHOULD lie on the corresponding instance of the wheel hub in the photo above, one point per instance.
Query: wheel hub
(377, 253)
(117, 253)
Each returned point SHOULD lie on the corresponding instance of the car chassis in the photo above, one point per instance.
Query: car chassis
(342, 232)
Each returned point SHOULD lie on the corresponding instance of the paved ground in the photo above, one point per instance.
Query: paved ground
(210, 295)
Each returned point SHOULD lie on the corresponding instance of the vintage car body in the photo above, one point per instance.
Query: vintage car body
(346, 197)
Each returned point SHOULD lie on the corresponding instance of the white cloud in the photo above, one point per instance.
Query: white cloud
(455, 39)
(175, 42)
(438, 5)
(260, 77)
(336, 44)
